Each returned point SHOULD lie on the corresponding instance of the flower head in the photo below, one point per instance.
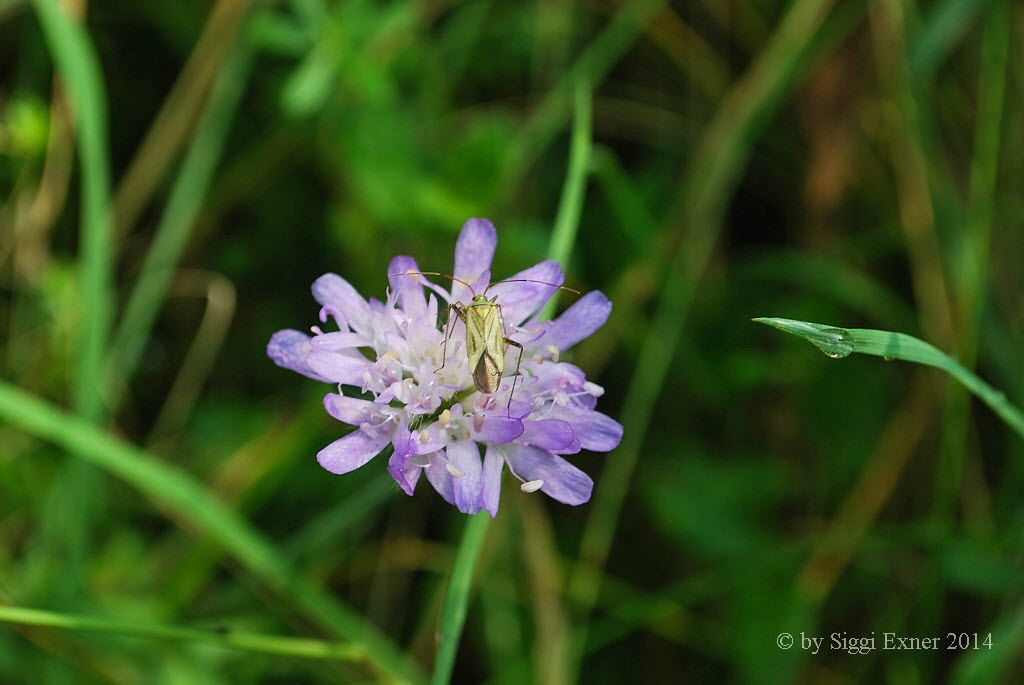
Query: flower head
(428, 408)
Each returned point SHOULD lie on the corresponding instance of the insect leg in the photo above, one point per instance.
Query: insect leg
(515, 377)
(457, 308)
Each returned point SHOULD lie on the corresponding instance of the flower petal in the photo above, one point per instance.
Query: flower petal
(519, 299)
(596, 431)
(548, 434)
(408, 289)
(338, 367)
(429, 439)
(331, 290)
(338, 340)
(585, 316)
(350, 410)
(562, 481)
(495, 429)
(572, 448)
(467, 484)
(350, 452)
(439, 477)
(493, 462)
(474, 251)
(290, 349)
(406, 474)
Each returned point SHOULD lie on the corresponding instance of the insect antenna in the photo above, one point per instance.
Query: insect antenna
(530, 280)
(436, 273)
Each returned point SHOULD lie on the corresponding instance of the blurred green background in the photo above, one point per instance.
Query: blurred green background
(853, 163)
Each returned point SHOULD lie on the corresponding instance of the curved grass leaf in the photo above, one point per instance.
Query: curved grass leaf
(840, 342)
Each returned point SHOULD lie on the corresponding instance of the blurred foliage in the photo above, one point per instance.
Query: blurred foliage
(849, 162)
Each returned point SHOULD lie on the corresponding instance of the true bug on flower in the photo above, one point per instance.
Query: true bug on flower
(485, 333)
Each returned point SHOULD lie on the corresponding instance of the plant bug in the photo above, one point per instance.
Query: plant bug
(485, 334)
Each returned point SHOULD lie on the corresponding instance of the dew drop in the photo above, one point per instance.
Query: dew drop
(834, 342)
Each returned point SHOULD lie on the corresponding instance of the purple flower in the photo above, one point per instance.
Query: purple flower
(428, 409)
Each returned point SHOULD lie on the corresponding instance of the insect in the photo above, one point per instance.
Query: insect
(485, 334)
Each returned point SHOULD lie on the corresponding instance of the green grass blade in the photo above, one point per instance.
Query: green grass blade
(995, 50)
(570, 205)
(68, 515)
(182, 496)
(995, 664)
(841, 342)
(176, 223)
(593, 64)
(278, 645)
(456, 598)
(80, 72)
(942, 30)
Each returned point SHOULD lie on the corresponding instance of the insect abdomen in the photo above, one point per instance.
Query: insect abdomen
(487, 375)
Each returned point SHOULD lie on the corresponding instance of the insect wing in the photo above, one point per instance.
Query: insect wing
(485, 343)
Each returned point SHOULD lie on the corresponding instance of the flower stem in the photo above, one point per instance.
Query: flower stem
(456, 599)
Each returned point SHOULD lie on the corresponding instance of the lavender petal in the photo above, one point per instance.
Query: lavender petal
(464, 457)
(350, 410)
(562, 481)
(439, 477)
(474, 251)
(572, 448)
(585, 316)
(290, 349)
(405, 473)
(493, 462)
(331, 290)
(496, 429)
(338, 340)
(430, 439)
(548, 434)
(596, 431)
(409, 289)
(350, 452)
(337, 367)
(519, 300)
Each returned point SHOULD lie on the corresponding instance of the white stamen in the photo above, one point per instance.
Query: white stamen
(454, 471)
(445, 419)
(554, 352)
(532, 485)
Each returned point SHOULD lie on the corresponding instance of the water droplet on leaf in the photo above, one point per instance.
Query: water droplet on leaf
(834, 342)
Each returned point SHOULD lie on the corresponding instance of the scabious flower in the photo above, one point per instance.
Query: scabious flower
(428, 409)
